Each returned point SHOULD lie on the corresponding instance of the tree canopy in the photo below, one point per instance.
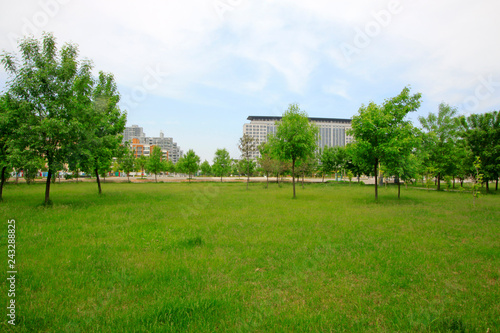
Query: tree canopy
(222, 163)
(295, 137)
(382, 131)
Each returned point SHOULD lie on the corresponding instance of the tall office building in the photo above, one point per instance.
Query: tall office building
(143, 144)
(332, 131)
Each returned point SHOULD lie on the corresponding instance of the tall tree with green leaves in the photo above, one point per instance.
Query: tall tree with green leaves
(247, 146)
(339, 160)
(295, 137)
(378, 128)
(402, 162)
(206, 169)
(440, 141)
(327, 159)
(141, 162)
(127, 162)
(222, 163)
(190, 163)
(101, 141)
(154, 162)
(50, 87)
(482, 134)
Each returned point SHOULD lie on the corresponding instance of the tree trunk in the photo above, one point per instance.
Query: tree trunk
(302, 180)
(439, 181)
(399, 190)
(267, 180)
(453, 182)
(47, 188)
(487, 186)
(323, 176)
(293, 177)
(278, 178)
(496, 186)
(248, 172)
(156, 178)
(98, 180)
(3, 182)
(17, 176)
(221, 178)
(376, 182)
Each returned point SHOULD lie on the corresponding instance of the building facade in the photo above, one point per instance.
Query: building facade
(332, 131)
(142, 144)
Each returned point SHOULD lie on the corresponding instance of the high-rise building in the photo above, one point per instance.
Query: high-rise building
(143, 144)
(332, 131)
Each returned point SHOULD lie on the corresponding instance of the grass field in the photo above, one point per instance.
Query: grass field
(215, 257)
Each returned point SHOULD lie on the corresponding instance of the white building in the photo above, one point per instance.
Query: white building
(332, 131)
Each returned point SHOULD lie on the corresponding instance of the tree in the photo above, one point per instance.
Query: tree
(440, 141)
(190, 163)
(154, 163)
(141, 162)
(357, 157)
(378, 128)
(49, 88)
(206, 169)
(482, 134)
(245, 167)
(102, 140)
(402, 162)
(327, 159)
(169, 166)
(306, 166)
(265, 160)
(295, 137)
(247, 146)
(222, 163)
(339, 160)
(6, 137)
(127, 162)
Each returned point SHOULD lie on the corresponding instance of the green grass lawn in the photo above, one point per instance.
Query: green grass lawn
(208, 257)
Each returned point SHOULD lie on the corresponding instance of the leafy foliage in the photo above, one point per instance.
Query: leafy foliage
(440, 141)
(222, 163)
(482, 134)
(383, 132)
(295, 137)
(154, 163)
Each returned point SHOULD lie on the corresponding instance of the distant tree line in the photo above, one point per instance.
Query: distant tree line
(55, 115)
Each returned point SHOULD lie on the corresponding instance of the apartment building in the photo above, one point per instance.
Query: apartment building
(143, 144)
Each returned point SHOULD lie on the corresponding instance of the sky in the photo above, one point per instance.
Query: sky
(196, 69)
